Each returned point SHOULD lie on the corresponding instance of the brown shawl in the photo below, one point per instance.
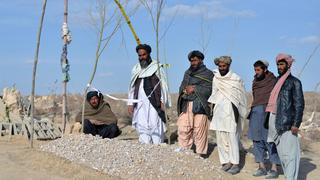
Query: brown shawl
(261, 89)
(99, 116)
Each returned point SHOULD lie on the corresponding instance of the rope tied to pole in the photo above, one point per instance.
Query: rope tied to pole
(66, 33)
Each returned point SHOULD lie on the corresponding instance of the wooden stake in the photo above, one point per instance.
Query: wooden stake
(35, 70)
(128, 21)
(64, 83)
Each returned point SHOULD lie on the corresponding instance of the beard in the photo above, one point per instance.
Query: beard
(223, 72)
(195, 68)
(145, 63)
(283, 72)
(260, 77)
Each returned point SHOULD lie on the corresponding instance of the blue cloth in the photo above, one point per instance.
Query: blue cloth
(261, 147)
(65, 66)
(259, 135)
(256, 131)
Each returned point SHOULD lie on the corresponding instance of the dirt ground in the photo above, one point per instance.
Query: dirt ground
(19, 161)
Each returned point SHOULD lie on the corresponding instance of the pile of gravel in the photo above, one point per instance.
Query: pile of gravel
(131, 160)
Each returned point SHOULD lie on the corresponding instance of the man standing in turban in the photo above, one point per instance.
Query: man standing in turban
(98, 117)
(262, 85)
(149, 87)
(193, 109)
(286, 105)
(229, 110)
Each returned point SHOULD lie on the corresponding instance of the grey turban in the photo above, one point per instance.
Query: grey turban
(225, 59)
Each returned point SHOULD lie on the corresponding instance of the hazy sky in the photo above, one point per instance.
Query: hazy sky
(247, 30)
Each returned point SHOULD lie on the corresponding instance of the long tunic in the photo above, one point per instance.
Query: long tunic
(227, 90)
(257, 132)
(223, 115)
(145, 117)
(261, 92)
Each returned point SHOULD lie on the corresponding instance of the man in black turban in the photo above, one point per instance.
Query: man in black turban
(196, 60)
(144, 51)
(195, 53)
(145, 47)
(98, 95)
(148, 85)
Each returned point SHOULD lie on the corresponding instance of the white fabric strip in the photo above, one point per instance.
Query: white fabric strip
(114, 98)
(125, 100)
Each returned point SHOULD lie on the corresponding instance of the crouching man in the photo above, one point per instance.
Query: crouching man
(98, 117)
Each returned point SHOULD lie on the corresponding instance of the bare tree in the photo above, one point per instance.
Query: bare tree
(205, 34)
(100, 24)
(155, 9)
(233, 36)
(309, 58)
(317, 88)
(53, 92)
(304, 66)
(34, 72)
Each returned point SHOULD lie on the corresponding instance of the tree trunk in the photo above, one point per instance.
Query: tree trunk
(64, 83)
(35, 71)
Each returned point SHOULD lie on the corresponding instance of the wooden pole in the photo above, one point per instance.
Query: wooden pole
(64, 83)
(64, 108)
(128, 21)
(35, 71)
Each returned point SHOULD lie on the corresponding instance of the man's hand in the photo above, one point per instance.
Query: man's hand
(162, 106)
(294, 130)
(189, 89)
(130, 110)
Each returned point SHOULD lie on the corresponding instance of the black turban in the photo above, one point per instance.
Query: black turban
(145, 47)
(195, 54)
(90, 94)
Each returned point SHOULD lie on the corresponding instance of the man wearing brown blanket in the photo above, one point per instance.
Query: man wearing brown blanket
(98, 117)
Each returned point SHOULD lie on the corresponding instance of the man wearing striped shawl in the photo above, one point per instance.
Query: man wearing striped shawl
(229, 110)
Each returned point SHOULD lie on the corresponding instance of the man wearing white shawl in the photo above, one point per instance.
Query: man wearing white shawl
(149, 86)
(229, 110)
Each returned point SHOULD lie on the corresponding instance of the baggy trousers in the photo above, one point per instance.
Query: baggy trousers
(193, 129)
